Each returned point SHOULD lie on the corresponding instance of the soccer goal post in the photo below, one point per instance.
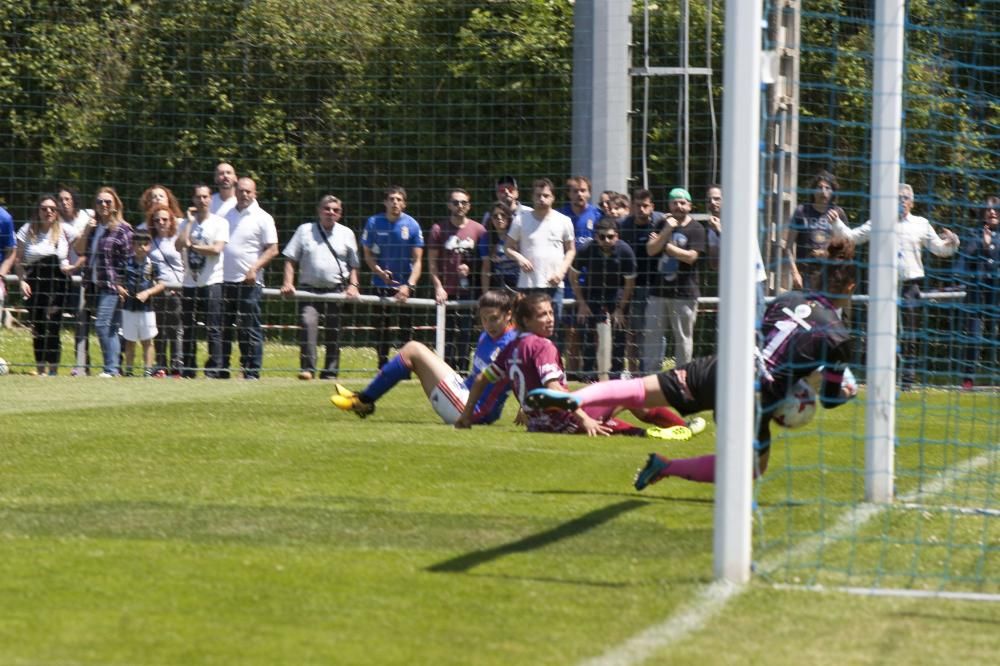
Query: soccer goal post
(735, 404)
(887, 131)
(740, 175)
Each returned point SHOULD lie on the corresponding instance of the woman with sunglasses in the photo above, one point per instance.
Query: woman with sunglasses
(42, 265)
(107, 243)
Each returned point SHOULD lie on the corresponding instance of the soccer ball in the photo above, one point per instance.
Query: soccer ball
(798, 407)
(4, 368)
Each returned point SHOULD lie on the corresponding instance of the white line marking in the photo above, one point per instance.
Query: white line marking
(714, 597)
(893, 592)
(646, 643)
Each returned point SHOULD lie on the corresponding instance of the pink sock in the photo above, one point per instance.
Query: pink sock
(627, 393)
(700, 469)
(662, 416)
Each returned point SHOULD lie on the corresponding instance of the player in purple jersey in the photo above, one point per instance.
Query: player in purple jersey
(445, 388)
(531, 362)
(801, 333)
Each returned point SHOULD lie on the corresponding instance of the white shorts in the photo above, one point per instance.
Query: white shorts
(448, 398)
(138, 326)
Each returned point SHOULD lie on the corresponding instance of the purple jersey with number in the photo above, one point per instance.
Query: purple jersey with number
(528, 363)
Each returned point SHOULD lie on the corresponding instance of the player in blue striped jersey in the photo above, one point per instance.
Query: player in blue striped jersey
(446, 390)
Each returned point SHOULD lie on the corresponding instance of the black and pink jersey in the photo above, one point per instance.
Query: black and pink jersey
(528, 363)
(802, 332)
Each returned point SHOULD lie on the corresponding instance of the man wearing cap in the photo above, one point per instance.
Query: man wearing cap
(677, 244)
(507, 192)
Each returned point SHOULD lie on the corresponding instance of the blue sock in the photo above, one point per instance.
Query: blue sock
(391, 374)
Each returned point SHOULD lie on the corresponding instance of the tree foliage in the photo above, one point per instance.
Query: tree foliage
(311, 96)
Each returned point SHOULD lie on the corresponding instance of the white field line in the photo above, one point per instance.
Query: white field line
(714, 597)
(893, 592)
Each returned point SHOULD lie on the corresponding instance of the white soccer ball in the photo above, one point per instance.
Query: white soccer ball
(798, 407)
(4, 368)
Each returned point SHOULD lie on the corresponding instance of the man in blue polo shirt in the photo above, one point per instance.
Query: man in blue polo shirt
(394, 249)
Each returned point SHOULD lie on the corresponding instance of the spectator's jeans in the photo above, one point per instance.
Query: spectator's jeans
(982, 330)
(204, 303)
(81, 334)
(588, 343)
(677, 314)
(108, 323)
(389, 314)
(910, 309)
(311, 315)
(460, 324)
(169, 342)
(241, 316)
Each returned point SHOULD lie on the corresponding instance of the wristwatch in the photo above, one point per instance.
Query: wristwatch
(411, 287)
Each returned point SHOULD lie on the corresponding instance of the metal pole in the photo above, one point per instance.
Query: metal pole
(686, 78)
(887, 115)
(735, 388)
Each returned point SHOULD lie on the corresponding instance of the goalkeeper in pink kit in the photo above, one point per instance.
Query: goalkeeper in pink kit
(801, 334)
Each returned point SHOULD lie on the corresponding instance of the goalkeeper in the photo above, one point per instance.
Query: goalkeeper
(801, 333)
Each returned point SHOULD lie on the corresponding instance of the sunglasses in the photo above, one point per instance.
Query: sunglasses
(105, 202)
(457, 202)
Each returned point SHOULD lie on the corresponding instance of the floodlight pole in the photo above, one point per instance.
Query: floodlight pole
(735, 388)
(601, 93)
(887, 118)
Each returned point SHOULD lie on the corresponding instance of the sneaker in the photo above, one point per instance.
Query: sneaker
(160, 374)
(677, 433)
(967, 384)
(697, 425)
(305, 375)
(343, 390)
(105, 375)
(654, 470)
(348, 401)
(543, 398)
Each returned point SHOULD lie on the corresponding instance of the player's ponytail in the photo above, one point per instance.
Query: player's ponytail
(524, 306)
(840, 269)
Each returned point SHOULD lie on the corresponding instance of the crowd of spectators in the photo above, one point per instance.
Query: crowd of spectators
(624, 264)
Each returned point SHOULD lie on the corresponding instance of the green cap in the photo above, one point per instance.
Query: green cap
(679, 193)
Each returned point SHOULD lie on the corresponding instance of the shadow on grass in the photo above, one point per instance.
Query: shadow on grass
(944, 617)
(645, 498)
(557, 581)
(567, 530)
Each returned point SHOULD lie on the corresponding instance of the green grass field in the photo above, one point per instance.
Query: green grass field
(200, 522)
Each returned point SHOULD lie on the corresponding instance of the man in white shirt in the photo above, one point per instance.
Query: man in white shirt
(253, 242)
(202, 238)
(224, 200)
(326, 254)
(542, 242)
(913, 234)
